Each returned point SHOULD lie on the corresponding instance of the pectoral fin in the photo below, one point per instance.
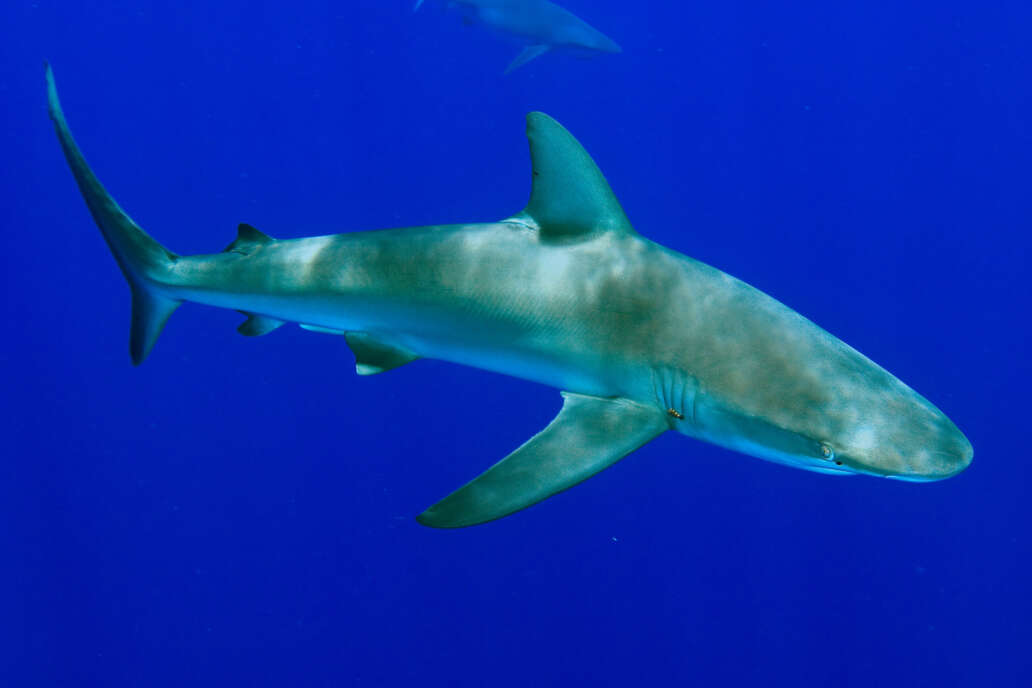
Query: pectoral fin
(528, 54)
(589, 435)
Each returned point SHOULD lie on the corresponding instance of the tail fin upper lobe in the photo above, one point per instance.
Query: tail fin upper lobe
(142, 259)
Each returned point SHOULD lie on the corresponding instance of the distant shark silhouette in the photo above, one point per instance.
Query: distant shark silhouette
(641, 339)
(542, 24)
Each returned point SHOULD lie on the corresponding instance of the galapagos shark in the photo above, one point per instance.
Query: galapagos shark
(640, 339)
(541, 24)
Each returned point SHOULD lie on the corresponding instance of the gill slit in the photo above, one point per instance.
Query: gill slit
(676, 392)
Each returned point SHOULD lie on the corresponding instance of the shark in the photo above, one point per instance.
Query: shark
(640, 339)
(542, 25)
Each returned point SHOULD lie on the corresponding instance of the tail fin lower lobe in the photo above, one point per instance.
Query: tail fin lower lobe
(142, 259)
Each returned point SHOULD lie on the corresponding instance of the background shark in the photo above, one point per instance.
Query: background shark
(542, 24)
(641, 339)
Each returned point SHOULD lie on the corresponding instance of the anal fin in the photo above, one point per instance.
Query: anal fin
(257, 325)
(589, 435)
(373, 356)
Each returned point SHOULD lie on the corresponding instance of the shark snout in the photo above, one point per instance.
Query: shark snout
(607, 45)
(928, 447)
(952, 454)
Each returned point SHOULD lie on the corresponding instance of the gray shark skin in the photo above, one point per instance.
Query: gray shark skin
(541, 24)
(640, 338)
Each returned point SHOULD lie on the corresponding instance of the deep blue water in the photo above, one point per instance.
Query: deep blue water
(240, 511)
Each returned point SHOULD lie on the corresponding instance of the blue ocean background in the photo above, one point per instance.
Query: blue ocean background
(239, 512)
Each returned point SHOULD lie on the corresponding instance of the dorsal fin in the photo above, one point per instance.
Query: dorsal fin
(569, 197)
(248, 239)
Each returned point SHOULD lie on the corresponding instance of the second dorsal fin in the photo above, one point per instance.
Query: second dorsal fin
(569, 197)
(248, 239)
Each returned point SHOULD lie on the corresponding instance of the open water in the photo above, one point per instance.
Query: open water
(239, 512)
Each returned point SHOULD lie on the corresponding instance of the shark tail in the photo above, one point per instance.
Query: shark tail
(142, 259)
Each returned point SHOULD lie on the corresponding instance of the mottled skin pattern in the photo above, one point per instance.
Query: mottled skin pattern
(612, 315)
(566, 293)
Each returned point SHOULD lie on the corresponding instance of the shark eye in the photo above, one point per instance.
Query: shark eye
(826, 451)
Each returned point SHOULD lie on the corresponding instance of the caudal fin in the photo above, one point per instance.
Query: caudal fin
(142, 259)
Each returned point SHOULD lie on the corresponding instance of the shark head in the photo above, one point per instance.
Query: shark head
(797, 395)
(888, 429)
(859, 420)
(872, 422)
(598, 42)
